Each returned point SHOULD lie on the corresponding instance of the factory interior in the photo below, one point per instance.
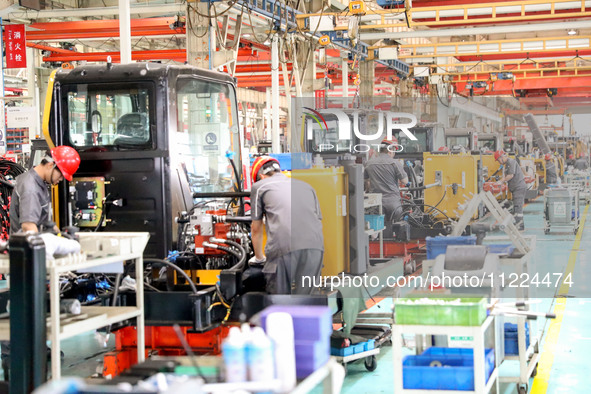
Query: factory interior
(287, 196)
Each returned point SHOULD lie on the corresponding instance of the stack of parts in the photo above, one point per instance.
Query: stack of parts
(312, 326)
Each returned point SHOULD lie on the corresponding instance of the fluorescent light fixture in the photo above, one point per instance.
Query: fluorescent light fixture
(246, 35)
(571, 32)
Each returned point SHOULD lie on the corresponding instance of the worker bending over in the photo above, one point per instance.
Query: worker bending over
(383, 174)
(551, 174)
(516, 183)
(30, 205)
(295, 244)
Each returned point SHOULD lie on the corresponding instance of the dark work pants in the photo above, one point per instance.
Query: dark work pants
(518, 202)
(392, 208)
(284, 274)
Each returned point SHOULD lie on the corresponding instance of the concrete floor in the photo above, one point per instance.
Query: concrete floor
(565, 345)
(566, 341)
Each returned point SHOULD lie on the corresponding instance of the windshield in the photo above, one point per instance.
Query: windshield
(207, 135)
(109, 116)
(487, 144)
(412, 146)
(325, 139)
(455, 141)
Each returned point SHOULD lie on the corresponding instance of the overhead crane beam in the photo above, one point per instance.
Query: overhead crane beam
(465, 14)
(541, 46)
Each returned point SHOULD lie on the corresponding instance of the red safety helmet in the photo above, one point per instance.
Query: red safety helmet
(443, 149)
(498, 154)
(393, 141)
(66, 159)
(258, 164)
(548, 156)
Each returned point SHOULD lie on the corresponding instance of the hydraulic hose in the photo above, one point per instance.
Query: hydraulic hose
(177, 268)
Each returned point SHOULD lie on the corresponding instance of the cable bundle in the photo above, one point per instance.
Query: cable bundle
(9, 170)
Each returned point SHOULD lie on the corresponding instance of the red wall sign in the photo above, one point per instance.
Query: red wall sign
(16, 53)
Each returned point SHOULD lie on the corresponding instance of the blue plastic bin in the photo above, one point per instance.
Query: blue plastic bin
(438, 245)
(353, 349)
(511, 338)
(456, 371)
(505, 249)
(376, 222)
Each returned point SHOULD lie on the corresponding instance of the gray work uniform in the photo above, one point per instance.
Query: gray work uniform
(295, 244)
(30, 201)
(551, 175)
(581, 164)
(384, 173)
(516, 186)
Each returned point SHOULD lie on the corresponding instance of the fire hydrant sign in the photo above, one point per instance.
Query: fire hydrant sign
(16, 53)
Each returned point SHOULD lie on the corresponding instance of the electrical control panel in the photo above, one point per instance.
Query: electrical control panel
(86, 201)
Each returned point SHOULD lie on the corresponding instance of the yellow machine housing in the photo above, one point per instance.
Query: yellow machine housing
(331, 188)
(461, 169)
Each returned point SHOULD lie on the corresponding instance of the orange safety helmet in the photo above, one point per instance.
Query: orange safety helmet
(66, 159)
(548, 156)
(443, 149)
(498, 154)
(258, 164)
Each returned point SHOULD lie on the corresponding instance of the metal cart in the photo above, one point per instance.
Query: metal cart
(580, 180)
(561, 208)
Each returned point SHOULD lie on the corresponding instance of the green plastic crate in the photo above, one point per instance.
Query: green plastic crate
(451, 311)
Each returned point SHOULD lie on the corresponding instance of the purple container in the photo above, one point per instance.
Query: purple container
(310, 323)
(311, 355)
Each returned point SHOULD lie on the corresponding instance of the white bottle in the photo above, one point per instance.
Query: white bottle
(259, 358)
(279, 327)
(234, 354)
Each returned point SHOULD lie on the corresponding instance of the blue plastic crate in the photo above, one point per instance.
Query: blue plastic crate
(511, 338)
(455, 370)
(353, 349)
(376, 222)
(438, 245)
(505, 249)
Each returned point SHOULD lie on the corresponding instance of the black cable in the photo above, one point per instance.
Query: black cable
(176, 267)
(189, 351)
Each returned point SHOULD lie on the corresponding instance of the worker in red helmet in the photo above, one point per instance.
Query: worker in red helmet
(295, 244)
(515, 179)
(551, 174)
(30, 206)
(383, 174)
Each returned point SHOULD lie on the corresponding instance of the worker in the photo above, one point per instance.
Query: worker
(581, 163)
(289, 256)
(382, 175)
(516, 184)
(30, 206)
(551, 175)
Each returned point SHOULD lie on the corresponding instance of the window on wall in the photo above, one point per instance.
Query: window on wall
(207, 135)
(102, 115)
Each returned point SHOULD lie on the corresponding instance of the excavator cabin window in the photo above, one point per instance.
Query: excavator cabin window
(101, 115)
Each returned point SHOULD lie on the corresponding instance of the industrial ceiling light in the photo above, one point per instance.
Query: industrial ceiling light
(571, 32)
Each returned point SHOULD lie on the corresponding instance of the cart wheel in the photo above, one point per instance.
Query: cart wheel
(546, 231)
(522, 388)
(408, 268)
(535, 371)
(576, 230)
(371, 363)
